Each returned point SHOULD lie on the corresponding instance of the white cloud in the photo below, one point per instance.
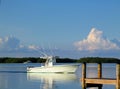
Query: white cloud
(33, 47)
(96, 41)
(11, 43)
(11, 47)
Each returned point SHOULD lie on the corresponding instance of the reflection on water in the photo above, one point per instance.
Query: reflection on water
(12, 76)
(3, 82)
(48, 80)
(93, 88)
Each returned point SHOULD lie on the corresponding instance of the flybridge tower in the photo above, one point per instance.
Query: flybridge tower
(50, 61)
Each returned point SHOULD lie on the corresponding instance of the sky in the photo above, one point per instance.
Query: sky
(67, 28)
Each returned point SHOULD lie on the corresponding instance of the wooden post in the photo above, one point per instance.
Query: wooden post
(118, 76)
(99, 73)
(83, 75)
(99, 70)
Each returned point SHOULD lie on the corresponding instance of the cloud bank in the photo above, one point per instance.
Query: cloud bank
(95, 44)
(96, 41)
(9, 43)
(11, 46)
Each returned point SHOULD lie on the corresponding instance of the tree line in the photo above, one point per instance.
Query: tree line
(60, 60)
(34, 60)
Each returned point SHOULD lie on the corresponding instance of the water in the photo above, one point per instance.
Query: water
(14, 76)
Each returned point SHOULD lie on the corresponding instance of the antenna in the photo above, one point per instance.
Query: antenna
(51, 50)
(43, 51)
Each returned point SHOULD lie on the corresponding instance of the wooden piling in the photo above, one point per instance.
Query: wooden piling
(99, 73)
(99, 70)
(83, 75)
(118, 76)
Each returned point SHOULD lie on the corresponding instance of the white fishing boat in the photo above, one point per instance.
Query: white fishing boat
(50, 67)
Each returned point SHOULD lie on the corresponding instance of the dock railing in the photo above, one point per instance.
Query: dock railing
(99, 81)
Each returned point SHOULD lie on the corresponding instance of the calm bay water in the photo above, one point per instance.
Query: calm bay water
(14, 76)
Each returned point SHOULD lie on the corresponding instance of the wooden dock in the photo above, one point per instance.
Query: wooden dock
(99, 81)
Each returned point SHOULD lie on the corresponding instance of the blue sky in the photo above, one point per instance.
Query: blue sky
(59, 23)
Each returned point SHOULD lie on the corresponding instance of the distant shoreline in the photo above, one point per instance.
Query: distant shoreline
(60, 60)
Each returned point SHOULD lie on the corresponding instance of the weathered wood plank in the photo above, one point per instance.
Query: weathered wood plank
(101, 81)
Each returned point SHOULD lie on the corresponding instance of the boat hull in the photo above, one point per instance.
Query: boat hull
(54, 69)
